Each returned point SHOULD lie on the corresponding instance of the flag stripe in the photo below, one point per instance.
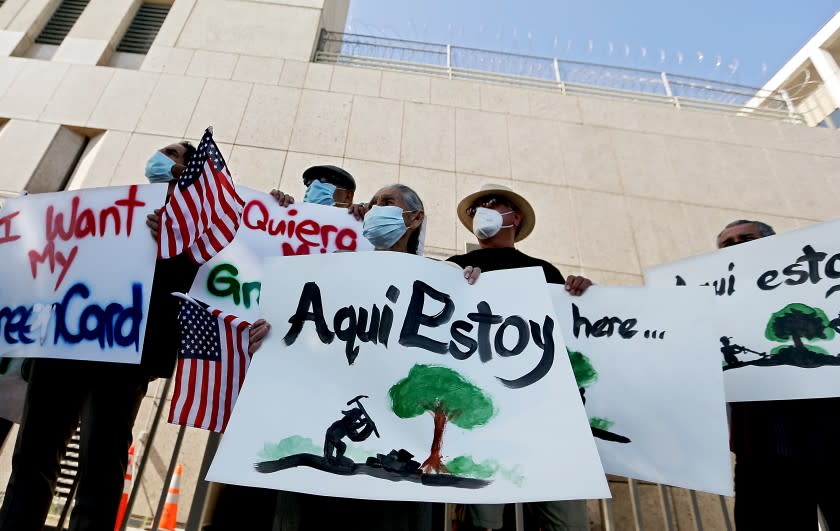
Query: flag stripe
(204, 211)
(214, 358)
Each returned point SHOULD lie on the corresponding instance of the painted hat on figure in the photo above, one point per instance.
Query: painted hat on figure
(340, 177)
(520, 204)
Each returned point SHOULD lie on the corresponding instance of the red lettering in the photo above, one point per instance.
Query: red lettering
(276, 227)
(262, 212)
(86, 224)
(6, 225)
(55, 227)
(288, 250)
(65, 262)
(53, 257)
(36, 258)
(103, 220)
(131, 202)
(345, 240)
(325, 236)
(307, 228)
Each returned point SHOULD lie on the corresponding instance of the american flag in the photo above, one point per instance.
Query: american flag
(204, 212)
(212, 360)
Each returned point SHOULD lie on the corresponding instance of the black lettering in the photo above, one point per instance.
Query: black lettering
(522, 342)
(415, 318)
(578, 320)
(831, 267)
(485, 320)
(545, 341)
(465, 340)
(795, 270)
(766, 278)
(361, 324)
(813, 258)
(604, 326)
(626, 331)
(348, 333)
(309, 297)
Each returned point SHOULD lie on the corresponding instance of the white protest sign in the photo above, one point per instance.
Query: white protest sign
(653, 391)
(405, 383)
(231, 280)
(76, 273)
(779, 312)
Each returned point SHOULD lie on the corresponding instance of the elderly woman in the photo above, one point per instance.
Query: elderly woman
(395, 220)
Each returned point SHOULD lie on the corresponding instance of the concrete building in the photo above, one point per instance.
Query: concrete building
(811, 78)
(620, 180)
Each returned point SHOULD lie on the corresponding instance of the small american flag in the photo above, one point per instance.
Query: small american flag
(204, 212)
(212, 360)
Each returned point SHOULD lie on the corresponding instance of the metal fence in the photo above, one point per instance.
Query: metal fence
(569, 77)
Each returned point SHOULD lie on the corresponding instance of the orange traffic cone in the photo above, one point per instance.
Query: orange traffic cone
(129, 480)
(170, 509)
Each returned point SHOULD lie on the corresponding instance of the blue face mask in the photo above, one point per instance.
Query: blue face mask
(320, 193)
(159, 168)
(384, 226)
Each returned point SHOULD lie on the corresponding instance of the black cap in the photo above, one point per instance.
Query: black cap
(331, 175)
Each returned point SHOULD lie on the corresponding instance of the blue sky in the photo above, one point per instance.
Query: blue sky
(741, 41)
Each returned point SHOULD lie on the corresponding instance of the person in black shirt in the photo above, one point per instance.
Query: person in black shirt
(106, 396)
(787, 460)
(499, 218)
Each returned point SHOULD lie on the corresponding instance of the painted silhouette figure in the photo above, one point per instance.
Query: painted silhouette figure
(730, 351)
(356, 425)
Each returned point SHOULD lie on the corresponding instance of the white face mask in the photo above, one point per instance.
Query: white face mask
(487, 222)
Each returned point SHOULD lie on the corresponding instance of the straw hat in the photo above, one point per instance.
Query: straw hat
(519, 203)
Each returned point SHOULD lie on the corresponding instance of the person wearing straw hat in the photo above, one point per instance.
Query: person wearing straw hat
(499, 218)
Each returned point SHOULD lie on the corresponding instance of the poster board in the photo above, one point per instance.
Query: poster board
(77, 270)
(778, 302)
(465, 410)
(652, 384)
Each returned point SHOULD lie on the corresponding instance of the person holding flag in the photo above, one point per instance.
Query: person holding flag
(107, 396)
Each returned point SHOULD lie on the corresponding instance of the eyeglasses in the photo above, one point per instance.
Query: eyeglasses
(488, 202)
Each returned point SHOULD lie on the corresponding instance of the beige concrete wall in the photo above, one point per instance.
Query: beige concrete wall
(617, 185)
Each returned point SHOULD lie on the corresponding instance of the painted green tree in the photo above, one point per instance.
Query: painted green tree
(796, 322)
(585, 374)
(448, 397)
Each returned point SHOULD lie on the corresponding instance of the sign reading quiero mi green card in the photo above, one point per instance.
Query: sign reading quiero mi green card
(231, 280)
(386, 376)
(654, 393)
(778, 308)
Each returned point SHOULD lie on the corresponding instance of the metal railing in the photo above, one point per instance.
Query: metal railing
(568, 77)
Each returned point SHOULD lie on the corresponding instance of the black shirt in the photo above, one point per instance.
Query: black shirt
(496, 259)
(160, 347)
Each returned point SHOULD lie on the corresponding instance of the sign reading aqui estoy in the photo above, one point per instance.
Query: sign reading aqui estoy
(231, 280)
(653, 391)
(408, 384)
(76, 273)
(778, 303)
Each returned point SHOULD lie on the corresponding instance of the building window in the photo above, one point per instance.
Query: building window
(59, 162)
(57, 28)
(140, 35)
